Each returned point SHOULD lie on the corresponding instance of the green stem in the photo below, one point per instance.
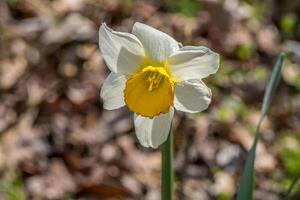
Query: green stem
(167, 168)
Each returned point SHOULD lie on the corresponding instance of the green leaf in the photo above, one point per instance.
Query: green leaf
(247, 180)
(272, 85)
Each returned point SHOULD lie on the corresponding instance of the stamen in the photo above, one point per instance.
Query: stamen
(154, 79)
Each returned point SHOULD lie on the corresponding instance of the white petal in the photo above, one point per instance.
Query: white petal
(192, 96)
(122, 52)
(112, 91)
(153, 132)
(158, 45)
(193, 63)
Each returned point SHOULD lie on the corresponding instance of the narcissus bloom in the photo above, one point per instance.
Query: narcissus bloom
(152, 74)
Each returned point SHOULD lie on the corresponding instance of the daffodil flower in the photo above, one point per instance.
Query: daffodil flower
(152, 74)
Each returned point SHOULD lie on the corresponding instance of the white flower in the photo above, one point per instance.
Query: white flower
(152, 74)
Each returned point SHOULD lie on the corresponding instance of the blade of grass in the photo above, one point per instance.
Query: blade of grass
(247, 181)
(294, 183)
(167, 168)
(272, 85)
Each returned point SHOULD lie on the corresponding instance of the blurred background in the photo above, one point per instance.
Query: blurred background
(57, 142)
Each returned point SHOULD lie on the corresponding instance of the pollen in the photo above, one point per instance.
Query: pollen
(150, 91)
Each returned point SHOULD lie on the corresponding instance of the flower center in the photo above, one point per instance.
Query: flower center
(149, 92)
(154, 79)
